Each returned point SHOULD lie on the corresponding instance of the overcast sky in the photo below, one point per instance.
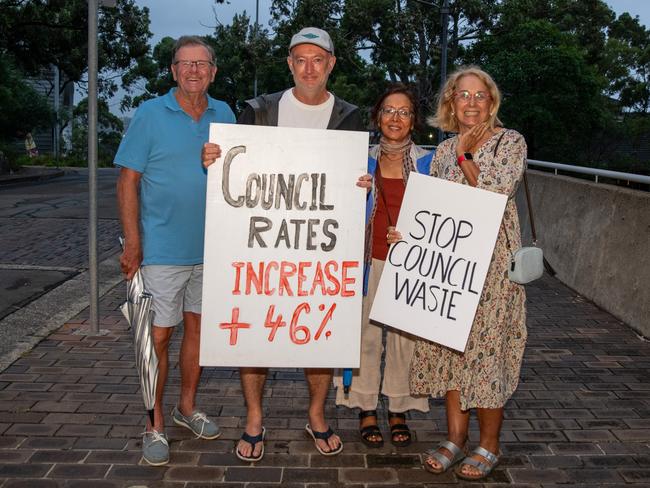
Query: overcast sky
(174, 18)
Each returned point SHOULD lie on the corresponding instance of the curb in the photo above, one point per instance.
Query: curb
(36, 176)
(23, 329)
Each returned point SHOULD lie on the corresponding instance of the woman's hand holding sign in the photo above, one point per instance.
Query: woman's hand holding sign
(365, 181)
(393, 235)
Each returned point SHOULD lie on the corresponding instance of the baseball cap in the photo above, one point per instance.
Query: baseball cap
(313, 35)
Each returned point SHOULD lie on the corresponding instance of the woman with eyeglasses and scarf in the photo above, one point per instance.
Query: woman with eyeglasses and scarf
(395, 115)
(485, 155)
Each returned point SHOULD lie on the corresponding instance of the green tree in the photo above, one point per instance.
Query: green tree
(586, 21)
(551, 94)
(155, 71)
(22, 108)
(39, 33)
(575, 77)
(109, 132)
(403, 37)
(242, 52)
(629, 62)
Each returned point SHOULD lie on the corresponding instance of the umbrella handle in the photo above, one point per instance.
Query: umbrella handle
(347, 380)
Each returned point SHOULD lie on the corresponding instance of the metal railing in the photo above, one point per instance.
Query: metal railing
(595, 172)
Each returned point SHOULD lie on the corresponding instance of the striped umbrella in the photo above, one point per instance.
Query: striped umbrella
(137, 310)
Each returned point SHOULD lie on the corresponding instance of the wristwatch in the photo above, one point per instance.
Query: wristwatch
(465, 156)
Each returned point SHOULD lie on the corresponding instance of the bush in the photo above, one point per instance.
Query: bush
(8, 158)
(49, 160)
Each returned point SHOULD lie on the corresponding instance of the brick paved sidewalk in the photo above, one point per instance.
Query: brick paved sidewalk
(71, 415)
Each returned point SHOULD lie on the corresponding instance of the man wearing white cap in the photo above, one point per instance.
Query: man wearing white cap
(307, 105)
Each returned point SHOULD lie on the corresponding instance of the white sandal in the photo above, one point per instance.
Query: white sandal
(484, 469)
(445, 462)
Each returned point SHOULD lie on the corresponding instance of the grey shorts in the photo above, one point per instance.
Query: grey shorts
(175, 289)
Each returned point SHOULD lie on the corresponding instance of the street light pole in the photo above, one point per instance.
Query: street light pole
(92, 159)
(92, 165)
(257, 18)
(444, 13)
(443, 54)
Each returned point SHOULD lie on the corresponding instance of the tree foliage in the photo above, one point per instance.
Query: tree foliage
(570, 70)
(109, 128)
(567, 67)
(629, 62)
(244, 52)
(39, 33)
(550, 92)
(22, 108)
(403, 37)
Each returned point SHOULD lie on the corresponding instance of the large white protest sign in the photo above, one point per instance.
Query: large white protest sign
(283, 268)
(433, 278)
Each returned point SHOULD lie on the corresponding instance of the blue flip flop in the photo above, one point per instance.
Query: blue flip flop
(252, 440)
(323, 436)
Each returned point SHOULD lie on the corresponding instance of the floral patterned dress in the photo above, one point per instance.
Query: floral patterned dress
(487, 373)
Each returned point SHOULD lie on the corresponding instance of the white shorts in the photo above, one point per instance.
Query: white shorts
(175, 289)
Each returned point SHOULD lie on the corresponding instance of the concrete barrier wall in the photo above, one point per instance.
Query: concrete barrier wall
(597, 237)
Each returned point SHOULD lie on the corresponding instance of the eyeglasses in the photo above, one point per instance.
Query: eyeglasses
(187, 65)
(465, 96)
(402, 113)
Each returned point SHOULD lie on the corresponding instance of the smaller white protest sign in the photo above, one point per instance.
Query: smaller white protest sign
(433, 278)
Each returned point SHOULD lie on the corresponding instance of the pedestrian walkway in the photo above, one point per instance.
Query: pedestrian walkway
(71, 415)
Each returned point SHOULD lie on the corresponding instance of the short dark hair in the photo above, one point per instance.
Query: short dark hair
(391, 90)
(192, 41)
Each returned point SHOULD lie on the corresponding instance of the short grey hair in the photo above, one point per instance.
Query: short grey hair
(193, 41)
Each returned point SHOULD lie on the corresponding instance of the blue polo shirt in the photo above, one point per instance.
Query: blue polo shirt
(164, 144)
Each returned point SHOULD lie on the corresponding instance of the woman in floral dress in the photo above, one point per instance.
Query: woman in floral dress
(485, 375)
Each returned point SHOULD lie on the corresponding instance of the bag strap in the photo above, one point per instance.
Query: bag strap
(529, 205)
(530, 210)
(378, 181)
(496, 146)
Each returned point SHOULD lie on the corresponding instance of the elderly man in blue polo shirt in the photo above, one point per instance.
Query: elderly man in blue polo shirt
(161, 195)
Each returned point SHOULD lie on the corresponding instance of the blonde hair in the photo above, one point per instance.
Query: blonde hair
(444, 118)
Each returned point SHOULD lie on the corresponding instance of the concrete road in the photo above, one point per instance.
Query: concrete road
(44, 233)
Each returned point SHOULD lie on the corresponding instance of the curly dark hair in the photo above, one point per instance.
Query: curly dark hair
(393, 88)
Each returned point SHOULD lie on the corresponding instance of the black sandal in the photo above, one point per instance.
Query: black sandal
(370, 431)
(400, 429)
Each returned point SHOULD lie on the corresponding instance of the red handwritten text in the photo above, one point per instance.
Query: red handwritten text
(294, 279)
